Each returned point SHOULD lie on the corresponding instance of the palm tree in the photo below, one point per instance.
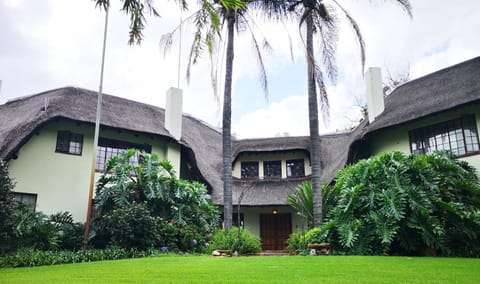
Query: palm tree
(319, 18)
(233, 14)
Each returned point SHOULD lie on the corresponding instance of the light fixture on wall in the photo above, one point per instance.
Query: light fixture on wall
(274, 211)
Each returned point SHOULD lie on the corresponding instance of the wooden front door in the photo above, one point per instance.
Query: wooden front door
(274, 230)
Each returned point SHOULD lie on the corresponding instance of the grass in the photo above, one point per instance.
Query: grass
(285, 269)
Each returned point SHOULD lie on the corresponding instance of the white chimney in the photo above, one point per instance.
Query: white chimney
(173, 112)
(375, 104)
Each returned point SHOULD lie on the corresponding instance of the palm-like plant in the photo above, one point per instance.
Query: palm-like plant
(302, 202)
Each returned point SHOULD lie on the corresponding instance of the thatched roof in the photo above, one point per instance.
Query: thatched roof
(270, 145)
(445, 89)
(263, 192)
(21, 117)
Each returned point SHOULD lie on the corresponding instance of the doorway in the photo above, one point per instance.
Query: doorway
(275, 230)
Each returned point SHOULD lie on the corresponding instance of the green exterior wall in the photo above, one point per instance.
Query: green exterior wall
(61, 181)
(396, 138)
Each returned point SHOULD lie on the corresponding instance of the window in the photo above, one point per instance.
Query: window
(295, 168)
(458, 136)
(108, 148)
(249, 169)
(28, 199)
(235, 220)
(69, 143)
(272, 169)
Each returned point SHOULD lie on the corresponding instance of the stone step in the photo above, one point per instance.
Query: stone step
(273, 253)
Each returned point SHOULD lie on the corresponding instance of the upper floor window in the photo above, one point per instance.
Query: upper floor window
(108, 148)
(249, 169)
(272, 169)
(69, 143)
(29, 199)
(295, 168)
(459, 136)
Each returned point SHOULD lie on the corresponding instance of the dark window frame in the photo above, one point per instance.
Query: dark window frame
(459, 135)
(20, 196)
(290, 163)
(272, 169)
(69, 143)
(249, 173)
(108, 148)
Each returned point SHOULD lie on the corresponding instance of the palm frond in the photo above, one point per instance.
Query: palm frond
(358, 34)
(325, 23)
(323, 95)
(405, 4)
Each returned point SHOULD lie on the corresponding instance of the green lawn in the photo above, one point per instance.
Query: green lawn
(284, 269)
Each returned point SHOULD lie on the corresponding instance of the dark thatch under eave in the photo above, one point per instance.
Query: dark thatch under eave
(266, 192)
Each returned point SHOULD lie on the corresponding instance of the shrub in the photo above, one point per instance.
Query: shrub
(130, 226)
(316, 236)
(38, 231)
(229, 240)
(175, 214)
(394, 203)
(6, 209)
(296, 242)
(71, 236)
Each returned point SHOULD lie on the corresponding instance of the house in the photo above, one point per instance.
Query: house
(47, 139)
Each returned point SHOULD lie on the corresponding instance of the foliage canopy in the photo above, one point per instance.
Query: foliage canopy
(143, 205)
(399, 204)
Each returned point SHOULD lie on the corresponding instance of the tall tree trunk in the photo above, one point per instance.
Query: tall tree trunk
(314, 128)
(227, 114)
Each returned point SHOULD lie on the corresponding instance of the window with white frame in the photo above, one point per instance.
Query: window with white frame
(460, 136)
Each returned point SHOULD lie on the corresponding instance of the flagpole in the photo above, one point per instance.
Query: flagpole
(95, 139)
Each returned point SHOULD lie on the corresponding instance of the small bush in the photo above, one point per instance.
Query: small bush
(296, 242)
(71, 236)
(229, 240)
(315, 236)
(6, 209)
(130, 226)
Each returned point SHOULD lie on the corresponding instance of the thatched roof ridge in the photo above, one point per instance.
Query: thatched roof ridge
(442, 90)
(270, 144)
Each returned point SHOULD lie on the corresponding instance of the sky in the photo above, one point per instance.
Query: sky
(51, 44)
